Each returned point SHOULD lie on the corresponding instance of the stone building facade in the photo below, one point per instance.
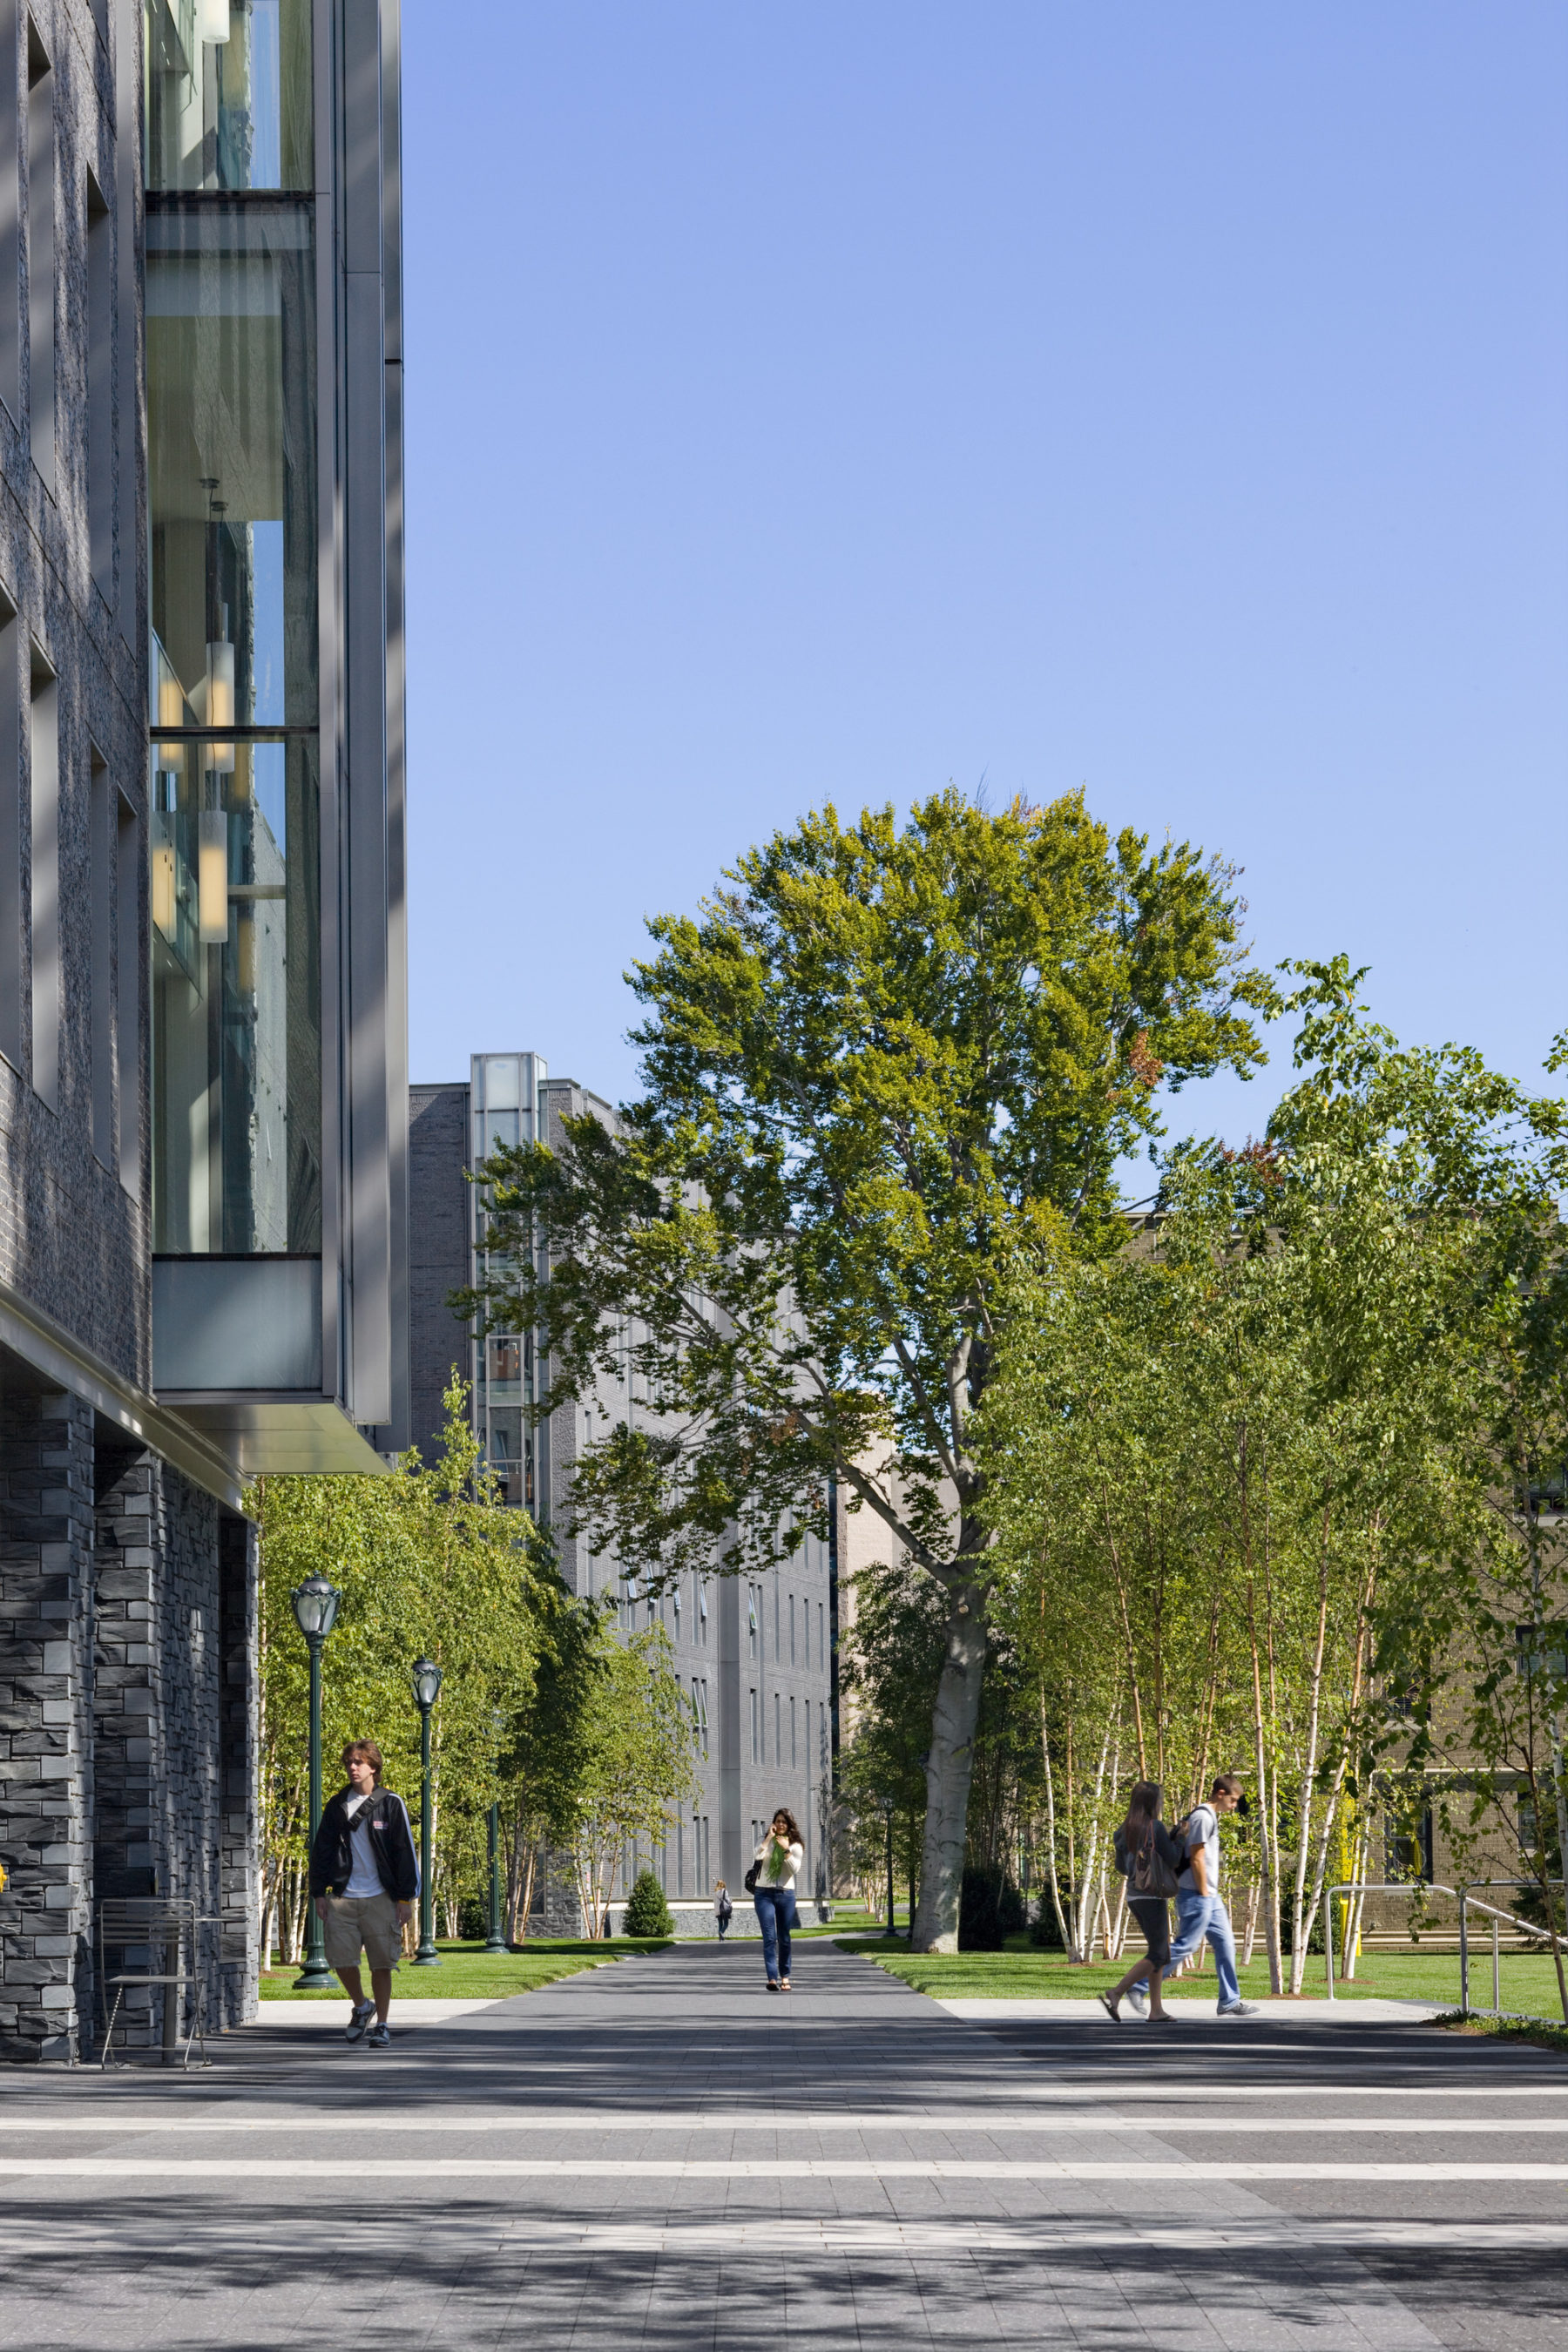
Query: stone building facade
(756, 1657)
(203, 1202)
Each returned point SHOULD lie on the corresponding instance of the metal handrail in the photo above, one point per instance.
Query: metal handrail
(1371, 1887)
(1527, 1927)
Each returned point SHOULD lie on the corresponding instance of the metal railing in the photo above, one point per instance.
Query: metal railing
(1466, 1898)
(1467, 1901)
(1371, 1887)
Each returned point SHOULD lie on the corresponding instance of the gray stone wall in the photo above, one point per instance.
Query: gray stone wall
(127, 1721)
(46, 1697)
(73, 1239)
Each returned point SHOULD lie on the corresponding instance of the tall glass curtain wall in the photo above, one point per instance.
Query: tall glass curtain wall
(235, 792)
(503, 1095)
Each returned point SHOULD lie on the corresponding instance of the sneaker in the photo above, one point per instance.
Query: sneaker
(1241, 2009)
(359, 2018)
(1137, 2001)
(379, 2038)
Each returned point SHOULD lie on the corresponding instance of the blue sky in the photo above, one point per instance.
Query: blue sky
(823, 403)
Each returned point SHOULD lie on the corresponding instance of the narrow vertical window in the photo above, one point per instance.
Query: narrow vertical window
(756, 1734)
(40, 255)
(44, 895)
(10, 835)
(792, 1629)
(10, 219)
(101, 848)
(128, 991)
(793, 1756)
(99, 389)
(778, 1730)
(127, 168)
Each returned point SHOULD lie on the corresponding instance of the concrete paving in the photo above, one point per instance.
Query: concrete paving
(663, 2155)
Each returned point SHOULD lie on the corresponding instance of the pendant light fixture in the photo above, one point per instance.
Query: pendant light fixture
(212, 878)
(212, 22)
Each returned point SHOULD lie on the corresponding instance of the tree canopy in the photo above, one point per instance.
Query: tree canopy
(883, 1059)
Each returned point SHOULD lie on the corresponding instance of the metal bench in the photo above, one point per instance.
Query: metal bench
(164, 1929)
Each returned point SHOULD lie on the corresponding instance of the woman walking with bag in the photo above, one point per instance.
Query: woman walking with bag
(1149, 1859)
(770, 1882)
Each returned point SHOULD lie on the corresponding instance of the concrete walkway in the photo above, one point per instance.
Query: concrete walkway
(662, 2155)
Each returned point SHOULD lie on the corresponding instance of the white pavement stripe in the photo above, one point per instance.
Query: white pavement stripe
(490, 2125)
(939, 2239)
(95, 2168)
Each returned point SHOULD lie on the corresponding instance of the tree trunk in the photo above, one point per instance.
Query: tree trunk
(948, 1768)
(1051, 1835)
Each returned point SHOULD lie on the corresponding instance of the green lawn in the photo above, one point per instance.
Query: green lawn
(468, 1972)
(1025, 1973)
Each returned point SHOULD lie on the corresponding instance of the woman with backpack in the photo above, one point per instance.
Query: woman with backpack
(1149, 1859)
(770, 1882)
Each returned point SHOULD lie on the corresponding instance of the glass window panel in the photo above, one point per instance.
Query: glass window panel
(228, 94)
(237, 997)
(231, 406)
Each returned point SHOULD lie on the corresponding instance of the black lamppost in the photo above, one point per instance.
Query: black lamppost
(315, 1606)
(426, 1682)
(887, 1809)
(495, 1941)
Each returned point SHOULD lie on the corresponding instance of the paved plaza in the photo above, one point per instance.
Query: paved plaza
(658, 2153)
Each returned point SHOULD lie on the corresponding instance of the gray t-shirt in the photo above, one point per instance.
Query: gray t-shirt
(1201, 1828)
(364, 1878)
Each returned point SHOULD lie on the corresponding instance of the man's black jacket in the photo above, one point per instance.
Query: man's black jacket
(391, 1842)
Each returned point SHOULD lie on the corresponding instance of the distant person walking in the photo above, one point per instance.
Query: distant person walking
(771, 1885)
(364, 1877)
(1150, 1860)
(723, 1909)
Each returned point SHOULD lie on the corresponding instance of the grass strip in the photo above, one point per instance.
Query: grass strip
(1025, 1972)
(468, 1972)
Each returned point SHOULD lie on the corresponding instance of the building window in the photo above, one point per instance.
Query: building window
(232, 108)
(752, 1619)
(40, 257)
(793, 1756)
(44, 911)
(778, 1730)
(128, 991)
(756, 1730)
(99, 389)
(703, 1611)
(792, 1629)
(102, 846)
(11, 923)
(236, 991)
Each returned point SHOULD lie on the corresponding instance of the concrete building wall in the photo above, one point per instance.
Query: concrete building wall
(437, 1252)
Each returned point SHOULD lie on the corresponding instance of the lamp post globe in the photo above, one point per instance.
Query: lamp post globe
(315, 1606)
(425, 1680)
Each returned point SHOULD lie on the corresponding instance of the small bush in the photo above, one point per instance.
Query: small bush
(979, 1912)
(1012, 1911)
(1042, 1930)
(647, 1913)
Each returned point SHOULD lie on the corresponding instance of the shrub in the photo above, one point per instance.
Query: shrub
(1042, 1930)
(979, 1910)
(647, 1913)
(1012, 1911)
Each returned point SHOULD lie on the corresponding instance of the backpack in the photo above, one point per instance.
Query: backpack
(1150, 1874)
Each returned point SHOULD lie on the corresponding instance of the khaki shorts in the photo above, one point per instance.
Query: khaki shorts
(367, 1919)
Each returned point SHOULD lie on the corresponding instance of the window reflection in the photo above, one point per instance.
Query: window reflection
(228, 94)
(236, 1021)
(231, 464)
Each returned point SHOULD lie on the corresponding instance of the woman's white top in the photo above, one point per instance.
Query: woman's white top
(779, 1863)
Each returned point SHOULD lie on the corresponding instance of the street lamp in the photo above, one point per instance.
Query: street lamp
(427, 1681)
(888, 1809)
(495, 1941)
(315, 1604)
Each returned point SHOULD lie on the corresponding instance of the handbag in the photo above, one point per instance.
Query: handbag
(1152, 1874)
(750, 1882)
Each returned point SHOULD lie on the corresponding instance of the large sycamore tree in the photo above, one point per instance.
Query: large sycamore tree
(881, 1060)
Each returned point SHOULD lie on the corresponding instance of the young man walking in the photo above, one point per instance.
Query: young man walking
(364, 1877)
(1200, 1906)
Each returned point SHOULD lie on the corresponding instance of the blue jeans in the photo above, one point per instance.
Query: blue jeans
(775, 1916)
(1198, 1915)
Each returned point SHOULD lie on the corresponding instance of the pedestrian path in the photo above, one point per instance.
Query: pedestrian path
(662, 2155)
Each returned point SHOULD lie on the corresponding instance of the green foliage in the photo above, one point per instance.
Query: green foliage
(647, 1912)
(883, 1060)
(427, 1561)
(635, 1758)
